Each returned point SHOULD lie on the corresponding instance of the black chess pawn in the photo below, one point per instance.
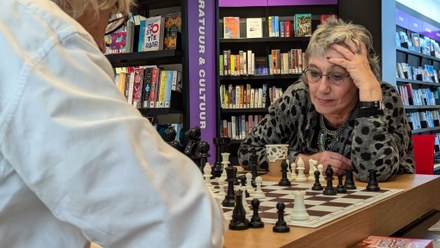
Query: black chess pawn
(192, 139)
(220, 144)
(229, 200)
(317, 184)
(236, 180)
(243, 184)
(170, 137)
(255, 220)
(281, 225)
(329, 189)
(373, 185)
(253, 159)
(349, 181)
(238, 221)
(202, 153)
(284, 181)
(340, 188)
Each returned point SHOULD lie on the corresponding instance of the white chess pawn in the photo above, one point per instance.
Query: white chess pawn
(321, 171)
(292, 172)
(312, 169)
(259, 194)
(223, 176)
(207, 176)
(225, 159)
(249, 187)
(221, 193)
(300, 177)
(299, 211)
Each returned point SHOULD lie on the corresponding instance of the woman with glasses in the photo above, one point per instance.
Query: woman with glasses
(77, 162)
(339, 113)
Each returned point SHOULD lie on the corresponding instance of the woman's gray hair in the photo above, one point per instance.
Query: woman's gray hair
(336, 31)
(76, 8)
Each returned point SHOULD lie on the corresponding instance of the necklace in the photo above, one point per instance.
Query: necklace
(327, 139)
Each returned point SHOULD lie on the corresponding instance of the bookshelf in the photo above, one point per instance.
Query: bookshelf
(175, 59)
(417, 73)
(237, 113)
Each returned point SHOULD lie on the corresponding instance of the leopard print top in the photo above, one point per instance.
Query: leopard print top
(377, 142)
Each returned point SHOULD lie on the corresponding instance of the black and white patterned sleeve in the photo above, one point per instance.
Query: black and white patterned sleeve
(383, 142)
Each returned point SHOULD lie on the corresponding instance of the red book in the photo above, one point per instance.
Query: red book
(153, 86)
(394, 242)
(287, 29)
(325, 17)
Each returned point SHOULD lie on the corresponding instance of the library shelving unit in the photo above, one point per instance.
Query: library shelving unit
(161, 58)
(239, 113)
(418, 66)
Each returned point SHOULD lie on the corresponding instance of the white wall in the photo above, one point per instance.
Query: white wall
(428, 8)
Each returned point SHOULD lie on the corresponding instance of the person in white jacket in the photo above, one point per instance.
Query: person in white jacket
(77, 162)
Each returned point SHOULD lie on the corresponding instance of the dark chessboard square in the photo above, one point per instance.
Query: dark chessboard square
(337, 204)
(320, 197)
(269, 215)
(317, 213)
(363, 197)
(380, 191)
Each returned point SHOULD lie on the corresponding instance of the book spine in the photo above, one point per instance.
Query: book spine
(162, 89)
(146, 87)
(142, 24)
(153, 87)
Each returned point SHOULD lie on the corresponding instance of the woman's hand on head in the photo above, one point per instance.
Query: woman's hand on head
(355, 61)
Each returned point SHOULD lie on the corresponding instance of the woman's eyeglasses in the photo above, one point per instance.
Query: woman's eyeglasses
(314, 76)
(115, 22)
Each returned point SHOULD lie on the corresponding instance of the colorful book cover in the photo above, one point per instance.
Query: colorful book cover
(161, 91)
(303, 25)
(137, 86)
(117, 41)
(142, 24)
(153, 87)
(394, 242)
(323, 18)
(154, 33)
(168, 87)
(231, 27)
(146, 87)
(254, 28)
(173, 26)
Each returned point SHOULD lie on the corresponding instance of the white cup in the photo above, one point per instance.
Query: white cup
(275, 154)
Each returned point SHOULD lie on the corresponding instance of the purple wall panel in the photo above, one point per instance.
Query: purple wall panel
(415, 24)
(251, 3)
(202, 71)
(300, 2)
(402, 18)
(241, 3)
(430, 30)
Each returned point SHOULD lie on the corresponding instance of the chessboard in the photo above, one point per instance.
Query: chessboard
(321, 208)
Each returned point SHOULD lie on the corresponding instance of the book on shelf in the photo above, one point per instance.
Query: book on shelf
(161, 90)
(393, 242)
(303, 25)
(137, 87)
(154, 85)
(287, 30)
(117, 41)
(173, 29)
(151, 34)
(254, 27)
(148, 73)
(324, 17)
(231, 27)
